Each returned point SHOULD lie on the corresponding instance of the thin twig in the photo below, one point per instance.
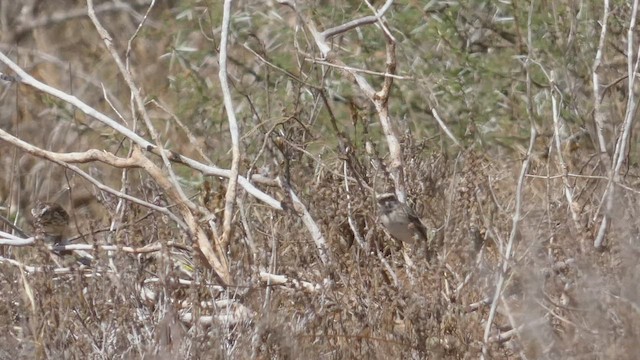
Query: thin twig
(507, 255)
(568, 189)
(444, 127)
(364, 71)
(367, 20)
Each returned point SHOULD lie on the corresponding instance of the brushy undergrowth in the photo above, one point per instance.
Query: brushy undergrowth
(306, 123)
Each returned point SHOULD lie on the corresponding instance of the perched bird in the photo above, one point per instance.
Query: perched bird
(51, 219)
(51, 223)
(401, 221)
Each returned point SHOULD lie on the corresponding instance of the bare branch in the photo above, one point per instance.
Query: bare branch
(620, 153)
(597, 94)
(507, 254)
(313, 228)
(364, 71)
(568, 189)
(283, 280)
(445, 128)
(367, 20)
(230, 196)
(207, 170)
(65, 159)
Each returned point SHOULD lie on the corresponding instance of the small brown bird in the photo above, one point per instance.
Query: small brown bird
(52, 222)
(400, 220)
(52, 219)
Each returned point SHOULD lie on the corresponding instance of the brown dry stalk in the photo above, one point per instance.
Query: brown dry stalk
(216, 258)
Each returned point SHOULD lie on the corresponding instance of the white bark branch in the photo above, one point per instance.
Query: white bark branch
(207, 170)
(230, 196)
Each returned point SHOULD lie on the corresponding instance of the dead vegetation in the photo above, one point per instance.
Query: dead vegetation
(509, 128)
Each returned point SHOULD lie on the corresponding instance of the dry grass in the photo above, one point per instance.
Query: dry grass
(375, 299)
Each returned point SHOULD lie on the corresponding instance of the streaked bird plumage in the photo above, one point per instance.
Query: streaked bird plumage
(400, 220)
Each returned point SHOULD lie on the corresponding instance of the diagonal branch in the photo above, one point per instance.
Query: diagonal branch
(65, 159)
(207, 170)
